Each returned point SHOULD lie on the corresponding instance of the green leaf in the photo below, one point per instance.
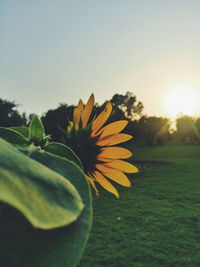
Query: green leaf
(63, 247)
(45, 198)
(63, 151)
(36, 130)
(12, 136)
(22, 130)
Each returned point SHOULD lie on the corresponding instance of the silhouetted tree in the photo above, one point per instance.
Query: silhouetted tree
(149, 130)
(197, 128)
(187, 130)
(128, 105)
(56, 121)
(153, 130)
(9, 116)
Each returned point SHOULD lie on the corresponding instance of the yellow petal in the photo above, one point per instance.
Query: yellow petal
(69, 126)
(103, 159)
(102, 118)
(91, 181)
(116, 175)
(122, 166)
(105, 183)
(113, 128)
(77, 113)
(113, 139)
(87, 111)
(115, 153)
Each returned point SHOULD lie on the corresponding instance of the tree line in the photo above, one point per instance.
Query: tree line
(149, 130)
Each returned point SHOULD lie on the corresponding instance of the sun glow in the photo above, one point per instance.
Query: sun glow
(182, 100)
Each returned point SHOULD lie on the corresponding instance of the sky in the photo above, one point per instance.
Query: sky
(55, 52)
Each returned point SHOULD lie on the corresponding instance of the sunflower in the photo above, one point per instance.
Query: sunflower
(95, 143)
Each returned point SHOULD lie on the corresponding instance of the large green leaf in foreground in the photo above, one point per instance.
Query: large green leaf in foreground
(63, 151)
(44, 197)
(22, 130)
(12, 136)
(22, 245)
(71, 241)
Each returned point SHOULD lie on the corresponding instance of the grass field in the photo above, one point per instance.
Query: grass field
(156, 222)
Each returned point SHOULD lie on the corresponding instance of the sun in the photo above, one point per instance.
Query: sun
(182, 100)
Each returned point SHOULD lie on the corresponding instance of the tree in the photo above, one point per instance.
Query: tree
(56, 121)
(153, 130)
(128, 105)
(9, 116)
(187, 129)
(197, 128)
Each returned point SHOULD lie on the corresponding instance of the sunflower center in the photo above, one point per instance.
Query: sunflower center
(85, 148)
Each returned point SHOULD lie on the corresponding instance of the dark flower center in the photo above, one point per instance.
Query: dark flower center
(85, 148)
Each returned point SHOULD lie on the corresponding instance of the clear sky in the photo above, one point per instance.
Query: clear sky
(55, 52)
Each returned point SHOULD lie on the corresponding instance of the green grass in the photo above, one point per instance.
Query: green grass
(156, 222)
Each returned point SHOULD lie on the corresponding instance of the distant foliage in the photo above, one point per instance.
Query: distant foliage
(9, 116)
(150, 130)
(55, 121)
(188, 129)
(128, 105)
(197, 127)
